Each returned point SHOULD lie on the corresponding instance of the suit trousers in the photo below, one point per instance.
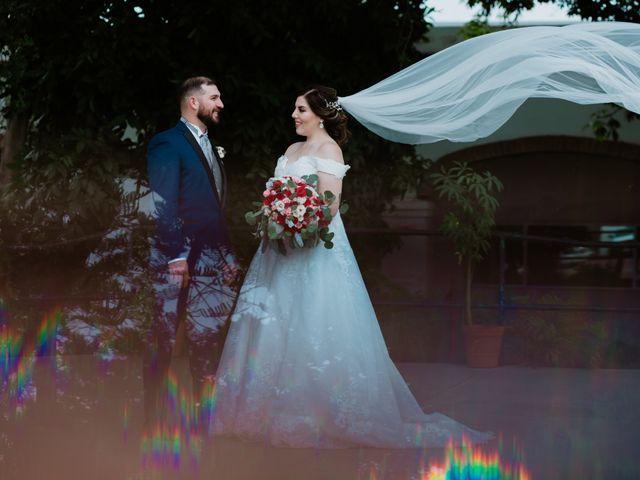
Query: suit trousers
(205, 305)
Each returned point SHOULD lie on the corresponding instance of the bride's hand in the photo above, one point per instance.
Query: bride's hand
(179, 273)
(334, 185)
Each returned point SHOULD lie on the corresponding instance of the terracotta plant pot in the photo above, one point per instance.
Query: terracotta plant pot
(482, 344)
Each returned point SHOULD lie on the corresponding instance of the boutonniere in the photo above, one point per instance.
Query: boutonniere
(220, 151)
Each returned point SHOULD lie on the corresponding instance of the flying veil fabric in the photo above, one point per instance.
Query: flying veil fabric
(469, 90)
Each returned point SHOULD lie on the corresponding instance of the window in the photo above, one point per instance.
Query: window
(588, 255)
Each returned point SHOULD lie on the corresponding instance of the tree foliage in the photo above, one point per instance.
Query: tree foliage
(93, 80)
(86, 64)
(594, 10)
(107, 68)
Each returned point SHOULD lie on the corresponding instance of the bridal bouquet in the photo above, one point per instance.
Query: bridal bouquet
(293, 214)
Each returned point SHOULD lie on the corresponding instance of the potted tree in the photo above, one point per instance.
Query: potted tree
(471, 198)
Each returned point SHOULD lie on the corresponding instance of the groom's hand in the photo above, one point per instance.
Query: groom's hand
(179, 272)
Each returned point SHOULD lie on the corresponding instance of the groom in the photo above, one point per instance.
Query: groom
(195, 272)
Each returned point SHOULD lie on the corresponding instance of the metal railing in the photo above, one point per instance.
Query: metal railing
(502, 305)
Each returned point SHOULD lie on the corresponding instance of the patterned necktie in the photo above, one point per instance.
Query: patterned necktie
(207, 148)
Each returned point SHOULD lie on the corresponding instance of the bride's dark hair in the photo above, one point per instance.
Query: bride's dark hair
(323, 101)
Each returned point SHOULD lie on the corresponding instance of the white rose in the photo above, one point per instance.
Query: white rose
(300, 211)
(221, 151)
(279, 205)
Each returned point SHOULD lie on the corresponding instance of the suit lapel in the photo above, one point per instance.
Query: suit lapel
(196, 146)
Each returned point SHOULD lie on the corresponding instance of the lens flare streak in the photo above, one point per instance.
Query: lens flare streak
(179, 432)
(468, 462)
(17, 358)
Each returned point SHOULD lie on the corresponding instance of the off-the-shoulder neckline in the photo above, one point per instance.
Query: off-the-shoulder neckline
(288, 161)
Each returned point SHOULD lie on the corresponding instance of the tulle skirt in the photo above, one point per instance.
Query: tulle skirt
(305, 363)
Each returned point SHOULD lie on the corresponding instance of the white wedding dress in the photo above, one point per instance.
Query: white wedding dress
(305, 363)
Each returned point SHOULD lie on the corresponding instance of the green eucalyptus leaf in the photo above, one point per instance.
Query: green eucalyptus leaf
(250, 218)
(311, 179)
(329, 196)
(275, 230)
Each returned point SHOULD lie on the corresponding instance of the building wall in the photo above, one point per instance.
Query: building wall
(556, 176)
(555, 180)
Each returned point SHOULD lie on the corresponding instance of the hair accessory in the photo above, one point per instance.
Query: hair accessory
(334, 105)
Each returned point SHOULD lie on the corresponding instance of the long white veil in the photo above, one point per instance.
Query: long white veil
(469, 90)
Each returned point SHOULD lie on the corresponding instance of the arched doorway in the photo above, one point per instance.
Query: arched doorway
(569, 188)
(563, 270)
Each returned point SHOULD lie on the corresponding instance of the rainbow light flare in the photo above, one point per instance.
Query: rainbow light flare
(178, 433)
(373, 473)
(468, 462)
(47, 331)
(17, 358)
(172, 391)
(208, 402)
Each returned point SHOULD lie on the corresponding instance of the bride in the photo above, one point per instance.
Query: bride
(305, 363)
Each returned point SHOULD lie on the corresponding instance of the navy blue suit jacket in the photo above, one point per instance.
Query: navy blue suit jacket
(188, 211)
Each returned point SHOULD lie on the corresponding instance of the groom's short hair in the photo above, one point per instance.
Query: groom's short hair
(193, 85)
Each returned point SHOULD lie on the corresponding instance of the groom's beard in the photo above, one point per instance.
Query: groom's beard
(209, 119)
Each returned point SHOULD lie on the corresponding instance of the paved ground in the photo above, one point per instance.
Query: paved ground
(86, 423)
